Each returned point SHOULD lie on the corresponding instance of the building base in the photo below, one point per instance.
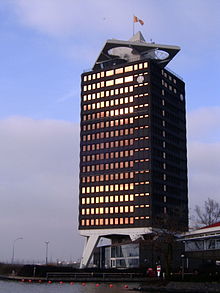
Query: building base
(93, 237)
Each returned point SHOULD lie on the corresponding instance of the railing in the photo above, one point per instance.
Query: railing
(92, 275)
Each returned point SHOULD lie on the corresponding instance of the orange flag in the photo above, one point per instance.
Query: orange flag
(136, 19)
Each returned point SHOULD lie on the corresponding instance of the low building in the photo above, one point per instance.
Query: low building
(202, 248)
(150, 251)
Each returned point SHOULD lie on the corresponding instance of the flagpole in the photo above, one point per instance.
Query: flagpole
(133, 24)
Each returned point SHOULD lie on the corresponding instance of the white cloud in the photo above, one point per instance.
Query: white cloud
(203, 155)
(39, 187)
(69, 17)
(78, 17)
(204, 124)
(39, 181)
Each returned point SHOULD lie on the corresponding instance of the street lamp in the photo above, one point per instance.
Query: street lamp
(13, 249)
(47, 243)
(182, 257)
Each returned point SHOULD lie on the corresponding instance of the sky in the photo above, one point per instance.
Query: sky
(45, 46)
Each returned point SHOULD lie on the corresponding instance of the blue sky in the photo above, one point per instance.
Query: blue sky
(45, 46)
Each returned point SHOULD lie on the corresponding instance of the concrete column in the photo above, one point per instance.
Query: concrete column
(90, 245)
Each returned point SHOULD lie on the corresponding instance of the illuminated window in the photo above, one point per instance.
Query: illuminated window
(128, 68)
(126, 221)
(87, 222)
(111, 221)
(121, 221)
(83, 222)
(126, 209)
(141, 66)
(121, 209)
(118, 70)
(109, 72)
(129, 78)
(116, 221)
(109, 82)
(106, 221)
(83, 212)
(119, 80)
(131, 186)
(131, 220)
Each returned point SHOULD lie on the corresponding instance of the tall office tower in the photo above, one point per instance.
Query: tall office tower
(133, 164)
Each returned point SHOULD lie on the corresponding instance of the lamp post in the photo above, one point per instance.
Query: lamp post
(182, 272)
(13, 248)
(47, 244)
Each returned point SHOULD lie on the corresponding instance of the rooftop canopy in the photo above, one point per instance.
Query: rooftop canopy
(116, 52)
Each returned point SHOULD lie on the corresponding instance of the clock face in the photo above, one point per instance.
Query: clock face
(140, 79)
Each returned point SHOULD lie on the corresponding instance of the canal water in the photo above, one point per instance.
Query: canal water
(19, 287)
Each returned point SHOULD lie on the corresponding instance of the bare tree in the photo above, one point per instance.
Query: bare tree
(209, 214)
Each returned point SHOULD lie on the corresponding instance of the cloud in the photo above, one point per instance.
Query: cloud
(39, 181)
(203, 155)
(39, 188)
(204, 124)
(70, 17)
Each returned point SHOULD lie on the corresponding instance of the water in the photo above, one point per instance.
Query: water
(18, 287)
